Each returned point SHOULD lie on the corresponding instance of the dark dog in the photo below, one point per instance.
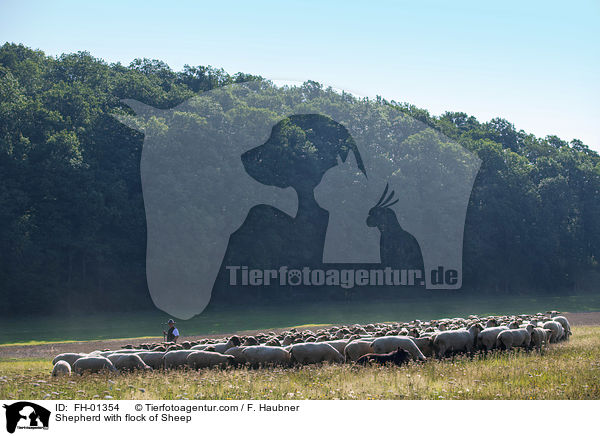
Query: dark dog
(397, 357)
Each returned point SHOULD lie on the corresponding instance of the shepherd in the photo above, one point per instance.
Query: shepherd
(172, 334)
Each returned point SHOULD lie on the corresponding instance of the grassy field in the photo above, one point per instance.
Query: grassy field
(429, 305)
(569, 370)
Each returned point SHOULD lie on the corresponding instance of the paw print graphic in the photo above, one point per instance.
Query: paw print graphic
(294, 277)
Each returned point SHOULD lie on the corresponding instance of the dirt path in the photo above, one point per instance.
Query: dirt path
(583, 318)
(51, 350)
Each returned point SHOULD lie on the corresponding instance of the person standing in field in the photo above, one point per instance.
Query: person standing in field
(172, 333)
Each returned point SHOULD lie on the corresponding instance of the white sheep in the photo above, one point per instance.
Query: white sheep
(70, 358)
(564, 322)
(93, 364)
(202, 347)
(115, 356)
(492, 322)
(176, 359)
(510, 338)
(61, 367)
(486, 339)
(356, 349)
(315, 352)
(387, 344)
(236, 352)
(514, 324)
(557, 330)
(425, 344)
(266, 355)
(154, 359)
(455, 341)
(207, 359)
(339, 344)
(110, 352)
(130, 362)
(539, 337)
(233, 341)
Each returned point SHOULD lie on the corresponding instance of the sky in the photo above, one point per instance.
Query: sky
(534, 63)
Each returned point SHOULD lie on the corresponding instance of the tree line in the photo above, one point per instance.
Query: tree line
(72, 221)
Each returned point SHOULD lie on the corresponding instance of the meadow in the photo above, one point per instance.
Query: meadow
(567, 370)
(426, 305)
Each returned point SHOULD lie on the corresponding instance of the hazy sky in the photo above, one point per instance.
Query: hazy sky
(534, 63)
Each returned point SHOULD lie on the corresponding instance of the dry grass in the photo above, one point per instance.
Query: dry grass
(569, 370)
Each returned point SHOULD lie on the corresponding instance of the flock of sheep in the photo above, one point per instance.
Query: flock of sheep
(380, 342)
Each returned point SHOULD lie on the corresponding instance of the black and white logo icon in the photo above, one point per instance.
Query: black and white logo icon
(26, 415)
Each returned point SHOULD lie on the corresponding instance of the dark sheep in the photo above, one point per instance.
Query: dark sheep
(273, 342)
(235, 340)
(398, 357)
(250, 341)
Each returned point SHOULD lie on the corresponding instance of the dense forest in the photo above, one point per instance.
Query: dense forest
(72, 222)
